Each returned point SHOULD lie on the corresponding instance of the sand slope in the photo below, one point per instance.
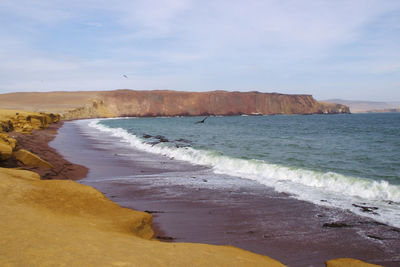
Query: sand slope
(53, 222)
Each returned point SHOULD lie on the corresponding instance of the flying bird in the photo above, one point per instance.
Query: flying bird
(125, 76)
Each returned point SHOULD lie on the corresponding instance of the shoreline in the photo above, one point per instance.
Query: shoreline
(195, 214)
(37, 142)
(233, 223)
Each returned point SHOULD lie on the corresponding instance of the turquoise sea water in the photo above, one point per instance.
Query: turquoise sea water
(340, 159)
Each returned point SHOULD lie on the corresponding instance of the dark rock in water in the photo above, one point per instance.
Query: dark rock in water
(147, 136)
(366, 209)
(336, 225)
(162, 138)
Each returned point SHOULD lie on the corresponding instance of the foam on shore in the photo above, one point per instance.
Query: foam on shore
(335, 189)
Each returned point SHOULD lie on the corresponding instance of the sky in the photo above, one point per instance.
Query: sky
(346, 49)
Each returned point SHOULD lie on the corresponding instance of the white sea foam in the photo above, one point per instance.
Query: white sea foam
(339, 190)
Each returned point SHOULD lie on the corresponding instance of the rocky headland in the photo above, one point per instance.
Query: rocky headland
(368, 106)
(130, 103)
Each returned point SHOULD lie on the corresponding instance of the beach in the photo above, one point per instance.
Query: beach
(37, 143)
(51, 220)
(144, 198)
(261, 220)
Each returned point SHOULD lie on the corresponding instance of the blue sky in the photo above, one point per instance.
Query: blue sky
(330, 49)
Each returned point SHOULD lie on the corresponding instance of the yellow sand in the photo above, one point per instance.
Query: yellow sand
(63, 223)
(348, 262)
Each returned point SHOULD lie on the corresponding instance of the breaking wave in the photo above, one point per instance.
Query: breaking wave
(338, 189)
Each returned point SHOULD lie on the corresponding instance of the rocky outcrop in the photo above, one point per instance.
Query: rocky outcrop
(7, 145)
(23, 122)
(30, 159)
(80, 105)
(368, 106)
(94, 109)
(333, 108)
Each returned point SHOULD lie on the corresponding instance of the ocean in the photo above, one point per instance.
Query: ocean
(347, 161)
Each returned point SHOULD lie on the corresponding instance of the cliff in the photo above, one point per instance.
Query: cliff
(79, 105)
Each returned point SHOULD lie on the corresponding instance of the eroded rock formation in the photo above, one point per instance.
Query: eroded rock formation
(78, 105)
(23, 122)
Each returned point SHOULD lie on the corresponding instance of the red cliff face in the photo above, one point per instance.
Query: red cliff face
(95, 104)
(174, 103)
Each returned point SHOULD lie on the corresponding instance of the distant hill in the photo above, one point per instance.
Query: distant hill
(367, 106)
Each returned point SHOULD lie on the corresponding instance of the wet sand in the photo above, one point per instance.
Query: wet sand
(188, 208)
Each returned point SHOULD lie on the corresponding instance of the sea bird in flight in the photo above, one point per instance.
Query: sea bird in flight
(123, 75)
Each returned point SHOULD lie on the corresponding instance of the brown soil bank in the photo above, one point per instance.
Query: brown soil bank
(77, 105)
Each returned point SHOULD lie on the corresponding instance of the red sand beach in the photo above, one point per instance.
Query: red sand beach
(251, 217)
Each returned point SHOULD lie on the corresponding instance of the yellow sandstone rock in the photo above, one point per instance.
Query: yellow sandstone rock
(5, 150)
(7, 145)
(63, 223)
(30, 159)
(25, 122)
(348, 262)
(11, 141)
